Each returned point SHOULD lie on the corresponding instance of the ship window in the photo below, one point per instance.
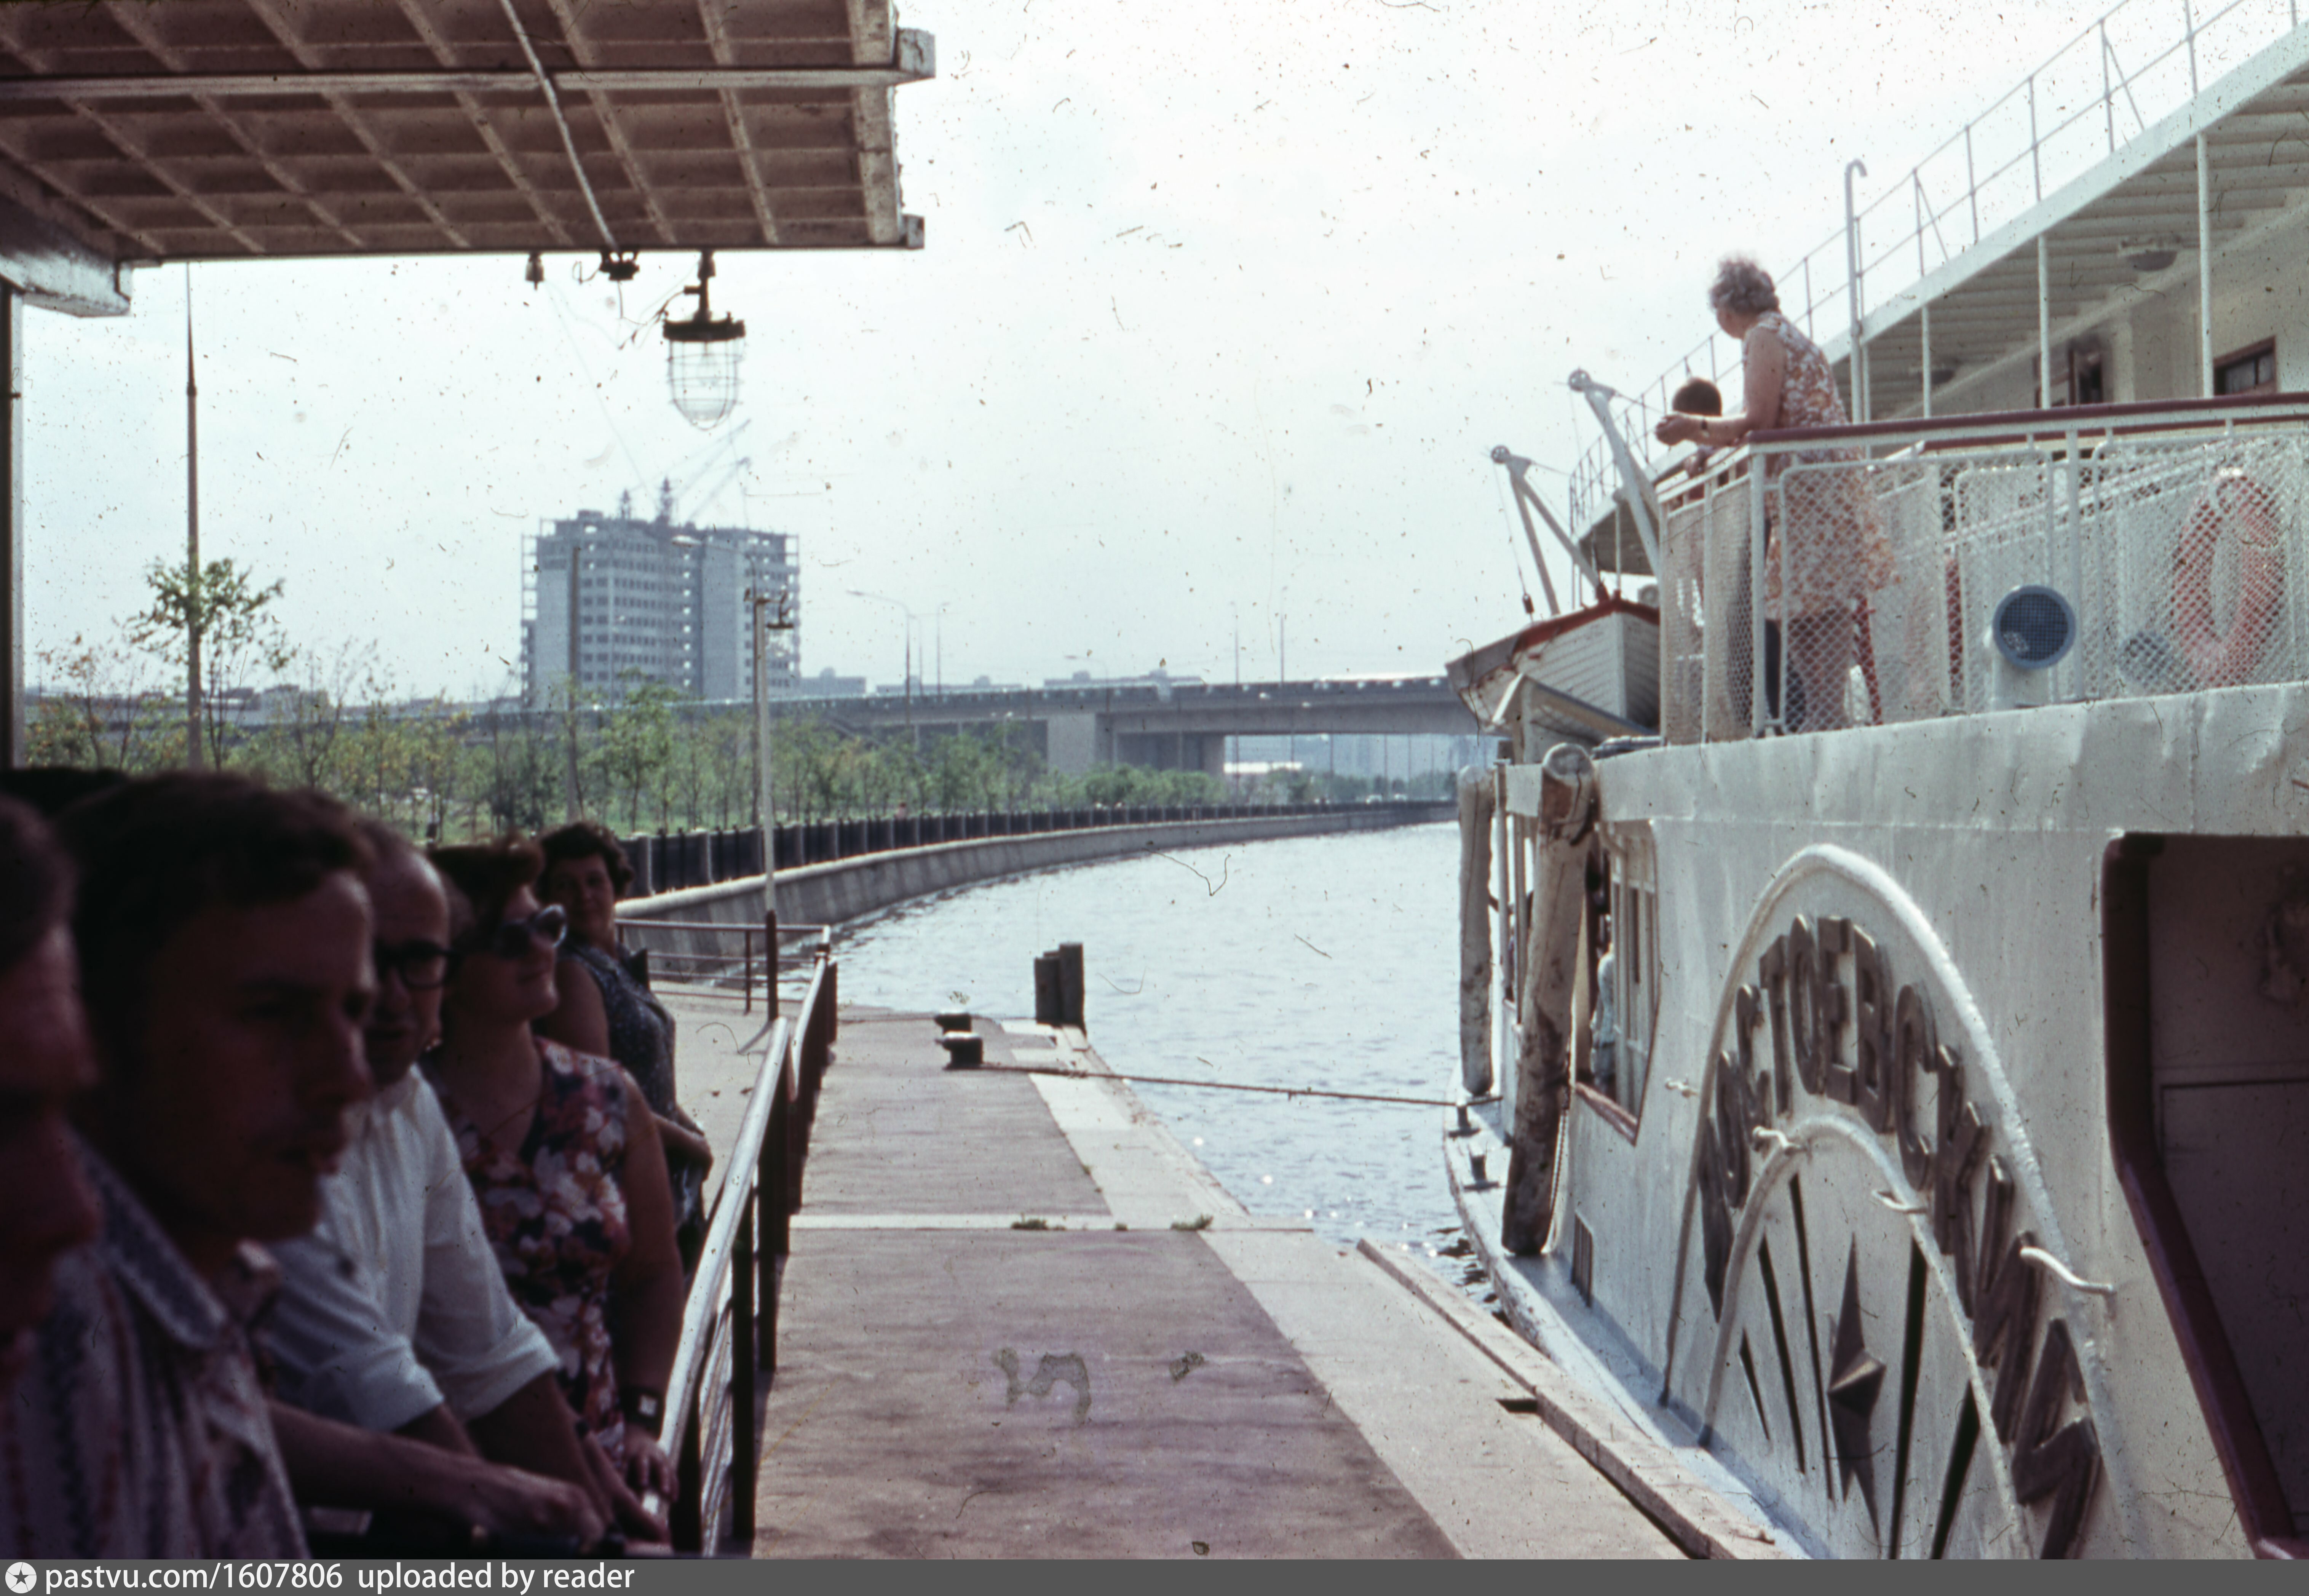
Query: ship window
(2248, 372)
(1632, 975)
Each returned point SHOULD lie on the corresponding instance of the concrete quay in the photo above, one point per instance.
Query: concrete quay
(850, 889)
(1020, 1320)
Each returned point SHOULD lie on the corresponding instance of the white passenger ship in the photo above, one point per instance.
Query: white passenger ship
(1929, 1160)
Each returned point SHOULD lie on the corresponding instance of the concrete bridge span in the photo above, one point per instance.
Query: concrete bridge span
(1181, 726)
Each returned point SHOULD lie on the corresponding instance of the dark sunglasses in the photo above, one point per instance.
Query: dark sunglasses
(421, 966)
(510, 939)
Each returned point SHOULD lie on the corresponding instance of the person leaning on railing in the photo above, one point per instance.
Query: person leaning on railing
(565, 1157)
(1826, 549)
(613, 1014)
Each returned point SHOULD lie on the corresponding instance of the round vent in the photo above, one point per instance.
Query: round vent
(2033, 628)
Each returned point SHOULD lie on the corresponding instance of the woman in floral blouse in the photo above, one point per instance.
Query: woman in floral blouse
(563, 1152)
(1826, 549)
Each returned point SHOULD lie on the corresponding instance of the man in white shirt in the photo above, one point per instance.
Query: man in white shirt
(393, 1315)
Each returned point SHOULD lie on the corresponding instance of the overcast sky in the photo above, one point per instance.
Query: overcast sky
(1222, 310)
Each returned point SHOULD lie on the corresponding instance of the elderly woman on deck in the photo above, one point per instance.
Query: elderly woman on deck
(1826, 551)
(564, 1155)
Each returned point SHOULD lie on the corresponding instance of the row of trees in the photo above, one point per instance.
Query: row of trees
(648, 760)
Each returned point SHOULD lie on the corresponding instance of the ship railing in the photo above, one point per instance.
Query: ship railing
(2116, 78)
(728, 1350)
(1908, 571)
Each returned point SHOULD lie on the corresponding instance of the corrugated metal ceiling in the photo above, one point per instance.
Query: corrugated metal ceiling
(241, 129)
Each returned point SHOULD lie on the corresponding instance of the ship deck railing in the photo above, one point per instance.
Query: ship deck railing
(1898, 572)
(2111, 82)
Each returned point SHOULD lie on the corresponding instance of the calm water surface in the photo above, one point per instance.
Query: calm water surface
(1322, 961)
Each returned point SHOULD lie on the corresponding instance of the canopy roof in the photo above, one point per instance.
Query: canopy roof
(250, 129)
(2106, 232)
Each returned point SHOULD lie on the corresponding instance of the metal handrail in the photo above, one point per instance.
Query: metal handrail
(776, 938)
(728, 1323)
(2229, 34)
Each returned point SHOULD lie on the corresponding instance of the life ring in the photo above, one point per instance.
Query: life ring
(2218, 655)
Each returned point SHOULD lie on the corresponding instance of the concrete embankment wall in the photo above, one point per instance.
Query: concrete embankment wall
(849, 888)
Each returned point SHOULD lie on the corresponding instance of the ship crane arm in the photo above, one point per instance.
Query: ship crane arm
(1527, 500)
(1634, 485)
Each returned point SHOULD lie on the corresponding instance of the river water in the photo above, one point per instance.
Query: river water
(1318, 961)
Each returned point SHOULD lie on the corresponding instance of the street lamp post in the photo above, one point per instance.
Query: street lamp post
(906, 681)
(772, 612)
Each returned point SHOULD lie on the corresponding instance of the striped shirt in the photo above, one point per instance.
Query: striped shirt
(139, 1429)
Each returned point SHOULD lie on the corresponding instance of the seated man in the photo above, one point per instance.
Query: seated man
(393, 1313)
(223, 940)
(45, 1208)
(222, 936)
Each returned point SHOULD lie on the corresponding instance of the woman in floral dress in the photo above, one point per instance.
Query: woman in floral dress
(563, 1152)
(1827, 550)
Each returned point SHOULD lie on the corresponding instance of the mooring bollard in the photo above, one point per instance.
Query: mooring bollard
(957, 1021)
(1070, 985)
(963, 1051)
(1047, 1008)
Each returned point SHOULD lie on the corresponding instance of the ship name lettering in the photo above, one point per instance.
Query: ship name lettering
(1803, 995)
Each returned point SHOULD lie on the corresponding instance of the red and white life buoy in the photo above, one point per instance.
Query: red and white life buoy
(2225, 655)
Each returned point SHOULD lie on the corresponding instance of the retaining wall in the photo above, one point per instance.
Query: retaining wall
(849, 888)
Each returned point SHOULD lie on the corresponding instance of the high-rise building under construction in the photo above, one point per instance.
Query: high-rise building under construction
(602, 595)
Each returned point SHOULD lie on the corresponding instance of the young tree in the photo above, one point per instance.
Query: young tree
(637, 739)
(307, 727)
(240, 637)
(100, 711)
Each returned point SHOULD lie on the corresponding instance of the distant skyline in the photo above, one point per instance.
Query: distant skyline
(1215, 330)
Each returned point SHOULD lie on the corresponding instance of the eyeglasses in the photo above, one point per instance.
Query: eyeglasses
(421, 966)
(511, 938)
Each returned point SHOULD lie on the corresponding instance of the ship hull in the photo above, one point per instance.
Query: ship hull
(1868, 1203)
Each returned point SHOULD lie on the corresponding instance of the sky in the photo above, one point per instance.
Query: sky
(1221, 313)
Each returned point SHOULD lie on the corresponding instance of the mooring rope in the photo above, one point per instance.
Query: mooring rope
(1228, 1086)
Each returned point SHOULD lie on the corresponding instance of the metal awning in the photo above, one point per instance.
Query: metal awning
(264, 129)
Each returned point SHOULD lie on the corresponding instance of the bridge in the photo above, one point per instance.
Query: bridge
(1163, 726)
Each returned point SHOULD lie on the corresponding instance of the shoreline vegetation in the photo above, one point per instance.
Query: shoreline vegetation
(645, 758)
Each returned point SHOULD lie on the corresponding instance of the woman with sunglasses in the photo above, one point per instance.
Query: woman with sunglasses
(564, 1154)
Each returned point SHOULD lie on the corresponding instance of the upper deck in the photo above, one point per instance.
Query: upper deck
(2117, 225)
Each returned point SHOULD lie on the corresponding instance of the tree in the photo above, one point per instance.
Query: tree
(306, 726)
(637, 740)
(239, 636)
(517, 775)
(100, 711)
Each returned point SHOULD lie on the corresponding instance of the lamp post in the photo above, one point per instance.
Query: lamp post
(906, 681)
(941, 646)
(193, 592)
(772, 612)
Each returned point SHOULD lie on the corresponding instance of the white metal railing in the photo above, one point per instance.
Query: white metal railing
(1867, 569)
(2117, 77)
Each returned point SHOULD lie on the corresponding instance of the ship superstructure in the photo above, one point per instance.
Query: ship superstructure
(1900, 1045)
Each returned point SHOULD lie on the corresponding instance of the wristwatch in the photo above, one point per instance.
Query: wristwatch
(643, 1408)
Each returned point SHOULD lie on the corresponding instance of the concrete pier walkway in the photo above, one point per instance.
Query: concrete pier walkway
(1020, 1320)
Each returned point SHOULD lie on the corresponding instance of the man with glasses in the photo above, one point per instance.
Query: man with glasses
(393, 1315)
